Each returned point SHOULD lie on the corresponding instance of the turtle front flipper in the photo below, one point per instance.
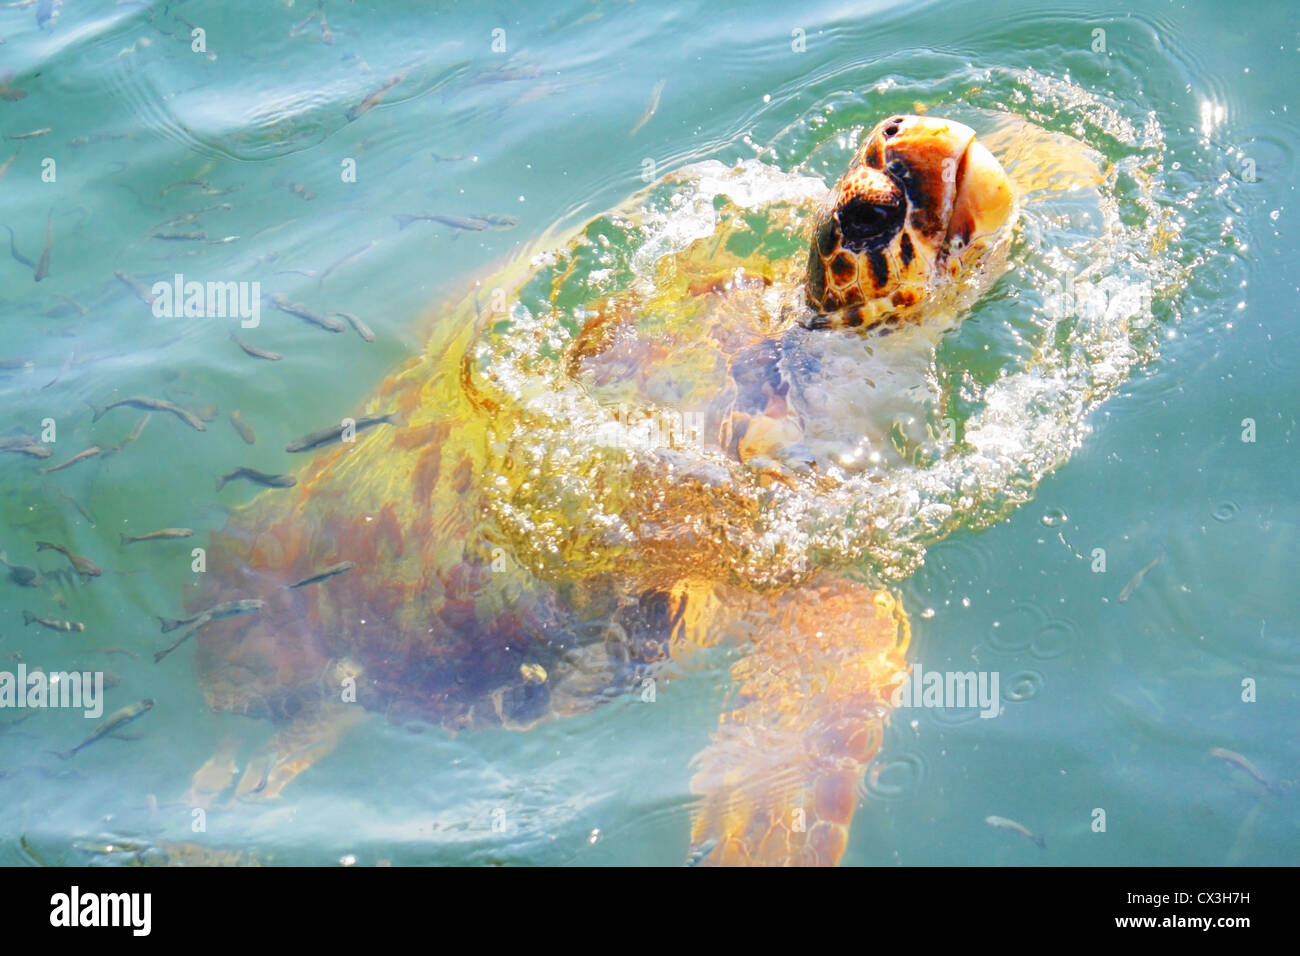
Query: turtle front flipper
(779, 781)
(295, 747)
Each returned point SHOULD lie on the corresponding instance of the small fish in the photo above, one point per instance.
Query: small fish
(18, 256)
(190, 218)
(67, 363)
(202, 183)
(260, 477)
(32, 135)
(376, 96)
(327, 436)
(1241, 763)
(256, 352)
(81, 141)
(218, 612)
(4, 167)
(472, 224)
(43, 264)
(136, 286)
(350, 257)
(134, 433)
(302, 312)
(83, 566)
(26, 445)
(73, 501)
(361, 328)
(1002, 823)
(199, 621)
(209, 191)
(1137, 579)
(328, 573)
(153, 405)
(245, 430)
(161, 534)
(90, 452)
(20, 574)
(112, 723)
(503, 75)
(52, 624)
(650, 109)
(180, 236)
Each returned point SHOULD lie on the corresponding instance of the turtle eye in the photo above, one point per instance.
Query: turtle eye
(868, 225)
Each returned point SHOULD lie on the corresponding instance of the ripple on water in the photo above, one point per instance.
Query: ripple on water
(954, 716)
(962, 562)
(894, 777)
(1014, 631)
(1225, 511)
(1055, 639)
(1022, 686)
(1029, 627)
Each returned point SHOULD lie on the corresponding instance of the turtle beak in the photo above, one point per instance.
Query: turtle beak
(983, 202)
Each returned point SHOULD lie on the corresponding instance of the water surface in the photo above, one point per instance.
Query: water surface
(1108, 704)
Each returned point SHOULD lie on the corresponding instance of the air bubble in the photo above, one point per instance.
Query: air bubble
(1226, 511)
(1022, 686)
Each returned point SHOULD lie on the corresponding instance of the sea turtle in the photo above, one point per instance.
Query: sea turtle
(591, 476)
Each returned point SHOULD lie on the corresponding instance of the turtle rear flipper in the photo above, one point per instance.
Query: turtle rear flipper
(779, 781)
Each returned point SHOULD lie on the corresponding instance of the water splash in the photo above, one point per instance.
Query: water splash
(1097, 270)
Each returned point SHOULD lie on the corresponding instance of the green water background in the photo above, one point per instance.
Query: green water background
(1122, 702)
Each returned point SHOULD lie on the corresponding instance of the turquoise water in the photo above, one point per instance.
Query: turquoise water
(1109, 704)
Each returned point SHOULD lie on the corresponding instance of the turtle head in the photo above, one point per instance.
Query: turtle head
(919, 207)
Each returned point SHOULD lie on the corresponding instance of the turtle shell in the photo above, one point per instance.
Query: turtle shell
(570, 477)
